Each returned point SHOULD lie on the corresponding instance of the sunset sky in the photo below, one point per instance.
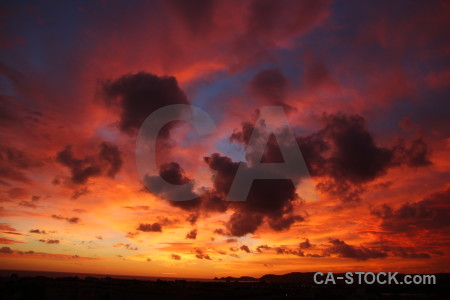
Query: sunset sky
(365, 86)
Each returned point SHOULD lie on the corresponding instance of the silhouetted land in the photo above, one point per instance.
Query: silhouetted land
(289, 286)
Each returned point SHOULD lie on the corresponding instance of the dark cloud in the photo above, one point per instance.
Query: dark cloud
(135, 96)
(111, 154)
(408, 252)
(118, 245)
(342, 249)
(175, 257)
(81, 169)
(241, 224)
(354, 155)
(245, 248)
(129, 247)
(210, 201)
(260, 248)
(271, 199)
(242, 136)
(226, 170)
(394, 249)
(314, 255)
(347, 192)
(219, 231)
(267, 198)
(345, 154)
(200, 254)
(165, 221)
(192, 234)
(305, 245)
(6, 250)
(131, 235)
(38, 231)
(73, 220)
(150, 227)
(430, 213)
(417, 155)
(192, 218)
(284, 250)
(285, 222)
(49, 241)
(174, 174)
(107, 162)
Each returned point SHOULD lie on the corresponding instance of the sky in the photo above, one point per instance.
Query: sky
(364, 86)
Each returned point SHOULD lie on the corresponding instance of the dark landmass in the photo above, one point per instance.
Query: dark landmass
(240, 279)
(288, 286)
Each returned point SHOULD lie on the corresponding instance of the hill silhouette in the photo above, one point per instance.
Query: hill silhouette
(270, 286)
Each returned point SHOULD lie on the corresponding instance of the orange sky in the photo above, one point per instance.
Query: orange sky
(366, 95)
